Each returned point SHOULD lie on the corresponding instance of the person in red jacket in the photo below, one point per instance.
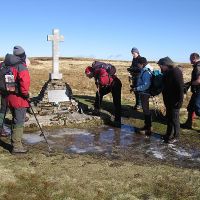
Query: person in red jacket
(105, 84)
(18, 101)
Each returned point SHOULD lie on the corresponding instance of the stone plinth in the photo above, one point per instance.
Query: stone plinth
(44, 105)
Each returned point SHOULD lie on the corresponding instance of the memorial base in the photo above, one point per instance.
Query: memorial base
(55, 97)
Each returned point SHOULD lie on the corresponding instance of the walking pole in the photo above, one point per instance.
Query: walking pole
(42, 133)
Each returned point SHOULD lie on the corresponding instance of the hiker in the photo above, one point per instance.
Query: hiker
(18, 100)
(194, 103)
(105, 84)
(143, 84)
(18, 51)
(134, 71)
(3, 93)
(172, 97)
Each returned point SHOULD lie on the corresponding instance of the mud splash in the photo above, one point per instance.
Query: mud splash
(108, 141)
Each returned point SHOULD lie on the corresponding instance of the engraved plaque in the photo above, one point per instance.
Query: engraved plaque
(57, 96)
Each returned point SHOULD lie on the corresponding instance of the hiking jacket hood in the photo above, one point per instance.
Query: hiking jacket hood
(11, 60)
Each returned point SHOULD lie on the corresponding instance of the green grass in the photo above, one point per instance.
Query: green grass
(36, 176)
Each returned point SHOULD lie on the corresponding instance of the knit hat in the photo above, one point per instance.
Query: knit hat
(88, 70)
(165, 61)
(134, 49)
(17, 50)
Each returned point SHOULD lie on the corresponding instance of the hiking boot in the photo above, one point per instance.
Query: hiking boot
(170, 141)
(174, 140)
(17, 140)
(148, 132)
(17, 150)
(3, 133)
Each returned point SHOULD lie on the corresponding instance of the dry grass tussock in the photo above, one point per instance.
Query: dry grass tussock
(87, 178)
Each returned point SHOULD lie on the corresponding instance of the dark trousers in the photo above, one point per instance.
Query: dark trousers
(145, 107)
(145, 103)
(194, 103)
(115, 89)
(3, 109)
(18, 115)
(173, 122)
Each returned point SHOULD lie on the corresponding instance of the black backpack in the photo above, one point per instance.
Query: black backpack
(7, 80)
(156, 86)
(110, 69)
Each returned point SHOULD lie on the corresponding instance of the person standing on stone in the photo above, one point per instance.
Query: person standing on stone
(194, 103)
(172, 97)
(134, 71)
(143, 84)
(106, 84)
(18, 101)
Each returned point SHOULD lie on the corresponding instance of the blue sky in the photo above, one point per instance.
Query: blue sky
(103, 28)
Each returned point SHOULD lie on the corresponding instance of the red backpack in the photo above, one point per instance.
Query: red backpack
(102, 77)
(110, 69)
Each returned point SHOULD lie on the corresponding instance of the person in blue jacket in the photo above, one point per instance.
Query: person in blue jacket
(143, 84)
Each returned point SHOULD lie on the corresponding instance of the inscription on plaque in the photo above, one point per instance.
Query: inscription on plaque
(57, 96)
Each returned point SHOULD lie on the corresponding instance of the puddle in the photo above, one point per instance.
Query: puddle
(33, 138)
(106, 140)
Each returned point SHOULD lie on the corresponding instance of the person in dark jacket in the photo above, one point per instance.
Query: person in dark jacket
(172, 97)
(106, 84)
(18, 101)
(134, 71)
(194, 103)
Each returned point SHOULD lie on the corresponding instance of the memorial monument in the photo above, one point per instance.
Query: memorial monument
(56, 95)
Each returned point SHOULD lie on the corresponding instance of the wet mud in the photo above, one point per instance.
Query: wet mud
(117, 143)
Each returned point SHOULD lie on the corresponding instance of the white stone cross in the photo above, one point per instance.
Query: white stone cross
(55, 38)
